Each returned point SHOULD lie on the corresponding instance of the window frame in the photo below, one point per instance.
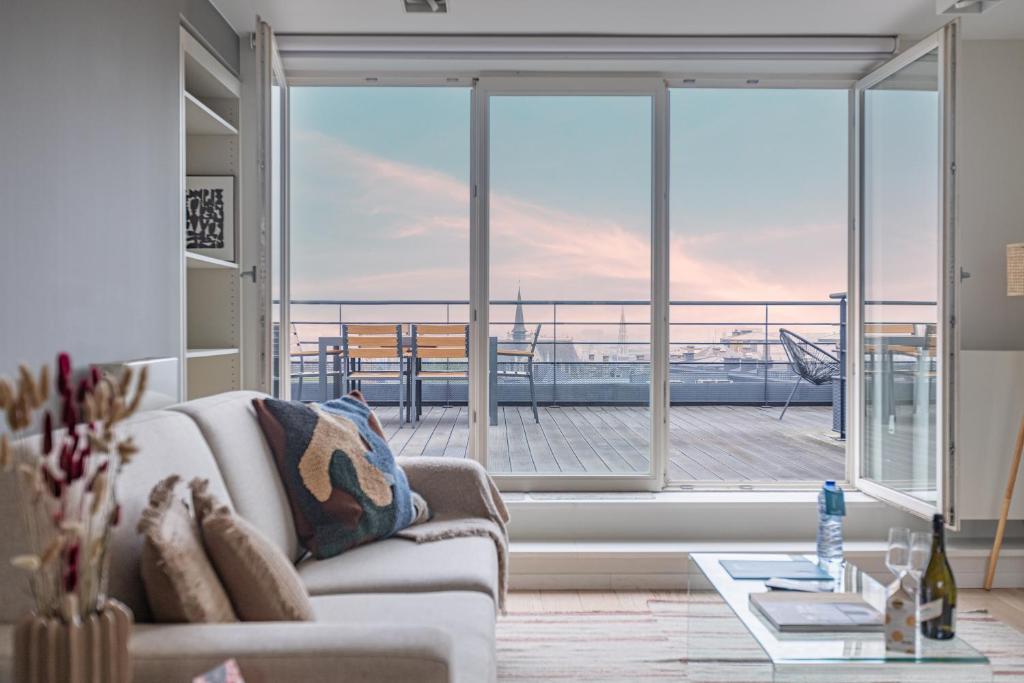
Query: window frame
(577, 85)
(588, 83)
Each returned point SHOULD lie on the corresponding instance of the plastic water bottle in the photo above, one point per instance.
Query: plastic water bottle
(831, 510)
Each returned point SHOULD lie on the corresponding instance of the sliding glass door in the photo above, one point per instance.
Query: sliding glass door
(567, 219)
(270, 314)
(905, 285)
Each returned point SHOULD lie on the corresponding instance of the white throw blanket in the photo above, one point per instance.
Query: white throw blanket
(464, 501)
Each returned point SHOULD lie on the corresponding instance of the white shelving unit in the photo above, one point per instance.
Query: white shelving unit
(201, 120)
(211, 345)
(193, 260)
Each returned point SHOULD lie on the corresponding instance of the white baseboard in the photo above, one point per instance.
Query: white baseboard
(665, 566)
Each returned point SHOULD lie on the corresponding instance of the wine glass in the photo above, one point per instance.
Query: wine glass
(920, 553)
(897, 553)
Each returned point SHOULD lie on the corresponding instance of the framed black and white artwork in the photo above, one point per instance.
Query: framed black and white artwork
(210, 216)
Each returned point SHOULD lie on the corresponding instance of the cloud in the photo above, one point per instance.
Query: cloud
(402, 231)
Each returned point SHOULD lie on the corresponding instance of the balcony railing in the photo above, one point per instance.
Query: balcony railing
(733, 357)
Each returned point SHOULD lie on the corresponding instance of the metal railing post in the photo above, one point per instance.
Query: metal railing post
(554, 356)
(841, 296)
(766, 355)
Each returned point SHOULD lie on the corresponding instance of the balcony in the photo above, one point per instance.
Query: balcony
(729, 378)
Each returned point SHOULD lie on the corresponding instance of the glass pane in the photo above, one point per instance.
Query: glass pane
(758, 231)
(380, 236)
(570, 231)
(901, 194)
(276, 214)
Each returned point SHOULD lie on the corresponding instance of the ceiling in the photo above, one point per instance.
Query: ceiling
(908, 18)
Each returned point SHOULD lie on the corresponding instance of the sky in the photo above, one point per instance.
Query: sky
(380, 202)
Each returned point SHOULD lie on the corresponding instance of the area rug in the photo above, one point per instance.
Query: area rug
(662, 643)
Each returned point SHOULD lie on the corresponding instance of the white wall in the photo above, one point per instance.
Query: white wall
(991, 182)
(89, 259)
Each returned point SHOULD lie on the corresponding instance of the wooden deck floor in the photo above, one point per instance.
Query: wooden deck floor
(707, 443)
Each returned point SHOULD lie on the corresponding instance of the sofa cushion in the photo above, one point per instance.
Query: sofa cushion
(261, 581)
(342, 481)
(181, 583)
(169, 443)
(432, 638)
(228, 422)
(396, 565)
(466, 618)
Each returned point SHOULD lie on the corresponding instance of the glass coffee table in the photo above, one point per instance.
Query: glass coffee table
(729, 640)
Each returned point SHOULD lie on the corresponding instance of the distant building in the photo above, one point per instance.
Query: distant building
(520, 338)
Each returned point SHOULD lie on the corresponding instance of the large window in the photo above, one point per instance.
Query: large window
(570, 281)
(758, 245)
(380, 256)
(901, 278)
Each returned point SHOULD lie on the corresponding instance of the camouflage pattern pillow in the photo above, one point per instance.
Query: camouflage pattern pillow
(343, 484)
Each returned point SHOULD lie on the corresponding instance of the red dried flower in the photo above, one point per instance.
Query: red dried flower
(77, 467)
(71, 567)
(53, 484)
(70, 414)
(47, 433)
(96, 375)
(115, 516)
(67, 456)
(64, 373)
(84, 388)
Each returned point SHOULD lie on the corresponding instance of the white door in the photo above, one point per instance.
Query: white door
(569, 293)
(904, 282)
(277, 338)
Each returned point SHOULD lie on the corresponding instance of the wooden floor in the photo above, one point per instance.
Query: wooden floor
(706, 443)
(1005, 604)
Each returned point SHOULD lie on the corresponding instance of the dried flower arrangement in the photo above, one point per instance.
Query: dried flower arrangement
(67, 479)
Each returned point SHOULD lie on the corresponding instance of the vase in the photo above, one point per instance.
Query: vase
(91, 649)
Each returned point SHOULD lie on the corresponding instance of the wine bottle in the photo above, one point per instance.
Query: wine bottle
(937, 594)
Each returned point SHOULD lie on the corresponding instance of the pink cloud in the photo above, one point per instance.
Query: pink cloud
(555, 253)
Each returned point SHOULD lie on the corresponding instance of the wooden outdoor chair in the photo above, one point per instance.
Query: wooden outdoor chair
(448, 342)
(380, 343)
(528, 372)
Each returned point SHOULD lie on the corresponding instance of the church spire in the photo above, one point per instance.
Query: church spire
(519, 328)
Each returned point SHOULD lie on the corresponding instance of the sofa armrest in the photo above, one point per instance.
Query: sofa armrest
(293, 651)
(455, 487)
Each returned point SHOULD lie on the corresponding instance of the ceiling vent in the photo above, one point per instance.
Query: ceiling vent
(426, 6)
(964, 6)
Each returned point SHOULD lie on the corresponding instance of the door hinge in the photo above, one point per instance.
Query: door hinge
(474, 192)
(952, 168)
(252, 40)
(952, 321)
(249, 273)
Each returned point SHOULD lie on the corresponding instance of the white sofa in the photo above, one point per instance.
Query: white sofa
(392, 610)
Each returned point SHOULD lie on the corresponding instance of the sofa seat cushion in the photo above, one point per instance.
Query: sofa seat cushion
(396, 565)
(429, 638)
(466, 618)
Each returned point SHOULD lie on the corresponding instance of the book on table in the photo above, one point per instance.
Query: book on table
(795, 568)
(791, 612)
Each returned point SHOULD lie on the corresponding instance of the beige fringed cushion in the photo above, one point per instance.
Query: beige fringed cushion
(181, 584)
(262, 582)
